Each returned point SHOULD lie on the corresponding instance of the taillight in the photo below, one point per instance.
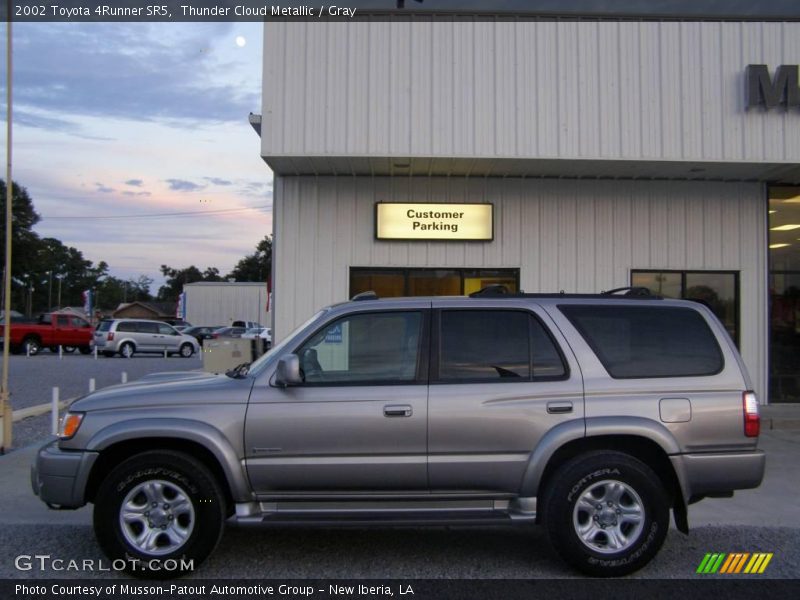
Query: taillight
(752, 420)
(110, 336)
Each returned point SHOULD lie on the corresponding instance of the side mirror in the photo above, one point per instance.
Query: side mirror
(288, 371)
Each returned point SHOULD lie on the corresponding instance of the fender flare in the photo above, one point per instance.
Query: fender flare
(180, 429)
(590, 427)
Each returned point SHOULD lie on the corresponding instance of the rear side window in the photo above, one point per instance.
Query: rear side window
(127, 326)
(646, 341)
(495, 345)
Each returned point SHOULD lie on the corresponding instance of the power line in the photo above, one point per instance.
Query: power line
(155, 215)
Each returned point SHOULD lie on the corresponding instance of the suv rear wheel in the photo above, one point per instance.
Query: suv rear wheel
(187, 350)
(127, 350)
(159, 510)
(606, 513)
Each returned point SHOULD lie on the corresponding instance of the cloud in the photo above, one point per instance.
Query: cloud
(141, 71)
(129, 193)
(134, 182)
(181, 185)
(218, 181)
(103, 189)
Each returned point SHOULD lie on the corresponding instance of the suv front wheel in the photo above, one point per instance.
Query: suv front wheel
(606, 513)
(162, 512)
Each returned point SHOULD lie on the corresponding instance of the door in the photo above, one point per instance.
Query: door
(168, 337)
(500, 380)
(358, 423)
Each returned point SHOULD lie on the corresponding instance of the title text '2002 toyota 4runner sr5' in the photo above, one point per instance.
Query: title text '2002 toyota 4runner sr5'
(593, 415)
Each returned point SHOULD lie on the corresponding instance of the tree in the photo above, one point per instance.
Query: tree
(256, 266)
(24, 241)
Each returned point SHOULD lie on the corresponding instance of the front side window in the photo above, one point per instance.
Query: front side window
(495, 345)
(364, 348)
(645, 341)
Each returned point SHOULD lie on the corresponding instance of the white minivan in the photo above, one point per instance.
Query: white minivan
(128, 336)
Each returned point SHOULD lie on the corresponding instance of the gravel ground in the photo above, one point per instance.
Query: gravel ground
(495, 553)
(31, 381)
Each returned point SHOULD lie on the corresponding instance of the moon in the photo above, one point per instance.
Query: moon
(240, 41)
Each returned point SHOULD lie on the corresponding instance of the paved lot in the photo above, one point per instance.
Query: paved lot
(31, 380)
(766, 519)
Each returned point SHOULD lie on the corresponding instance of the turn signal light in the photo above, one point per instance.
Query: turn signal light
(752, 420)
(69, 425)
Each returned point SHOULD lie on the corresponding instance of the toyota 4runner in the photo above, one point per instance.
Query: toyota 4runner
(593, 415)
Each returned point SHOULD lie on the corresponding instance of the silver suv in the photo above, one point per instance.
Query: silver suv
(593, 415)
(128, 336)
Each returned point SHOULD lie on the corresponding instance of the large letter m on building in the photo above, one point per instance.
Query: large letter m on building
(768, 92)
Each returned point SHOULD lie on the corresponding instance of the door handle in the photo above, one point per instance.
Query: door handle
(397, 410)
(559, 408)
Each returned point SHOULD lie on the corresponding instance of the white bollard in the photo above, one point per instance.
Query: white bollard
(95, 352)
(91, 385)
(165, 353)
(27, 351)
(60, 352)
(124, 377)
(54, 415)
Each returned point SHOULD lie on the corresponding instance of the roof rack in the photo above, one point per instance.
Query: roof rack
(630, 293)
(370, 295)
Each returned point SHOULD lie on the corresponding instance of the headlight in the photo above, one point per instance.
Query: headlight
(69, 425)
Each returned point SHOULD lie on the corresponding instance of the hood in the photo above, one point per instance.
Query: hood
(164, 389)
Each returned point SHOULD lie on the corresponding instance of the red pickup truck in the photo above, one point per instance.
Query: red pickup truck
(51, 331)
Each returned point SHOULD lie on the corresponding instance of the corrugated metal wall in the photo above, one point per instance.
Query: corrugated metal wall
(548, 89)
(571, 235)
(221, 304)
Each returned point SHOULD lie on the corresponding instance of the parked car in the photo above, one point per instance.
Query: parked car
(50, 330)
(234, 332)
(176, 322)
(260, 333)
(593, 415)
(129, 336)
(200, 333)
(245, 324)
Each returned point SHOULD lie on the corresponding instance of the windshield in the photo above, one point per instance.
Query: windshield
(281, 348)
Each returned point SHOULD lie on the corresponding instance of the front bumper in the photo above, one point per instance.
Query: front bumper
(710, 473)
(59, 477)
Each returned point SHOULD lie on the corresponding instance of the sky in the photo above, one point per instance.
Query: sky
(127, 120)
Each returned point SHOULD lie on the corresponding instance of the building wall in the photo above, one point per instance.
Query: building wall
(525, 89)
(571, 235)
(222, 303)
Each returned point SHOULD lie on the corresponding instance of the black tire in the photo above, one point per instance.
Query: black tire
(179, 473)
(618, 483)
(127, 350)
(187, 350)
(85, 349)
(31, 345)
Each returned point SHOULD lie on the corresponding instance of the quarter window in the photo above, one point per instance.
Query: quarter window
(640, 341)
(364, 348)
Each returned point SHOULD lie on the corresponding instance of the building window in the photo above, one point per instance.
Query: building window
(784, 294)
(391, 282)
(719, 290)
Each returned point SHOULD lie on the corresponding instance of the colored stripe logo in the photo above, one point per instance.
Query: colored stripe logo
(734, 563)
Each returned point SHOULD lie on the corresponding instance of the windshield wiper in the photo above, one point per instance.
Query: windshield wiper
(238, 371)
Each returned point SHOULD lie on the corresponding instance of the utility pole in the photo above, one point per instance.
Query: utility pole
(60, 277)
(50, 291)
(5, 396)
